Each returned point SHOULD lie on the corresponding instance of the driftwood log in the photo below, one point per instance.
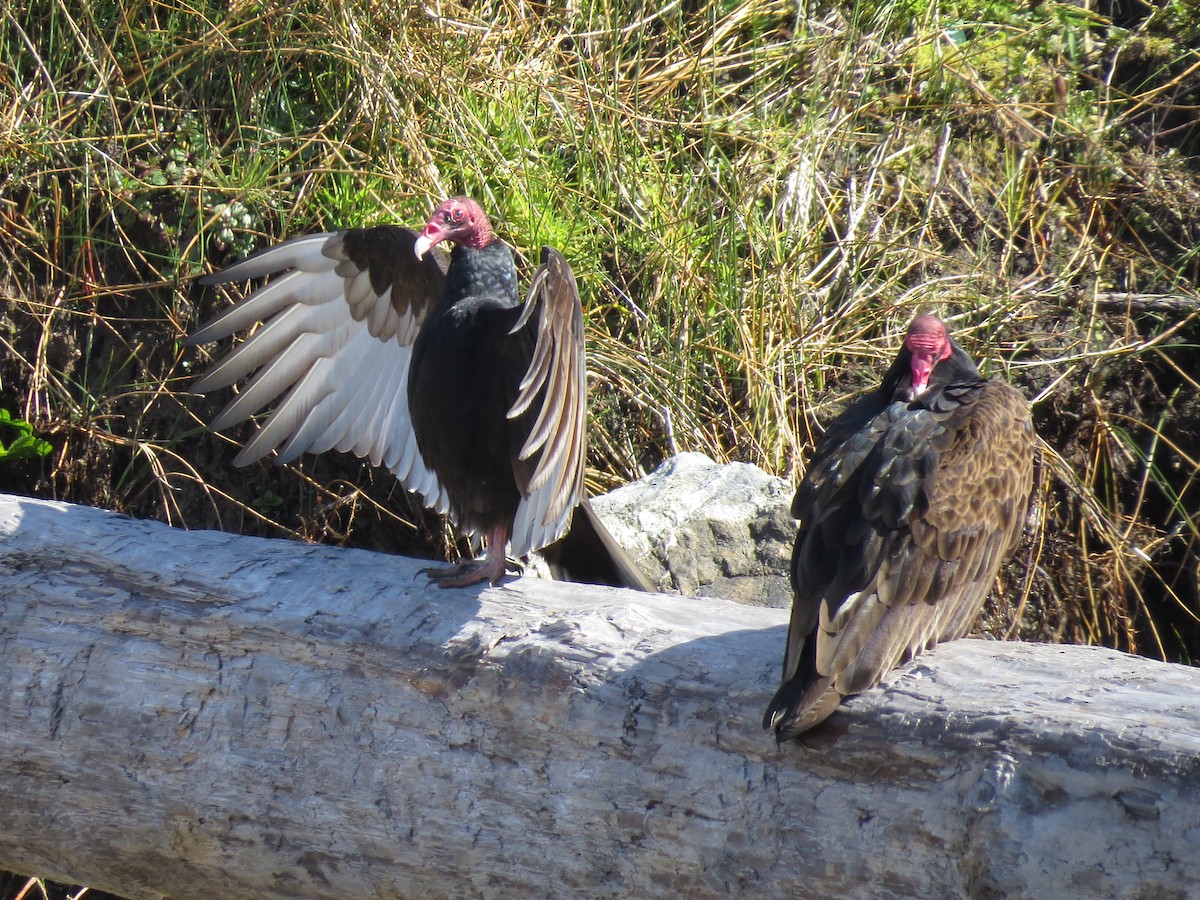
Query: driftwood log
(195, 714)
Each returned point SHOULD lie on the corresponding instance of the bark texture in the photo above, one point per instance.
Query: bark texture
(196, 714)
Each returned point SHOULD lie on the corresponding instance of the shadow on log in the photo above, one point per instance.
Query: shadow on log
(196, 714)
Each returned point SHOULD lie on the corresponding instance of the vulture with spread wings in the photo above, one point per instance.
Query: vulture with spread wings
(430, 366)
(913, 498)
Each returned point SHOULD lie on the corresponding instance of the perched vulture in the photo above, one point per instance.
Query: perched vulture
(432, 368)
(914, 496)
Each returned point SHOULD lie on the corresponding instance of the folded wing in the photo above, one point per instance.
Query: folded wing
(553, 393)
(905, 519)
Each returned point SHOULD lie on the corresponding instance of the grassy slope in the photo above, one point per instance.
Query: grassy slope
(756, 196)
(756, 201)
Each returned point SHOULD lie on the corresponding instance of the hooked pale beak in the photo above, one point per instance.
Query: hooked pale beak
(922, 368)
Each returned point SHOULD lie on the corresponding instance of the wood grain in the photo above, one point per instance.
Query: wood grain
(195, 714)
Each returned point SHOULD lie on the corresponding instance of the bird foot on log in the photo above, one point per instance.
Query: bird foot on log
(473, 571)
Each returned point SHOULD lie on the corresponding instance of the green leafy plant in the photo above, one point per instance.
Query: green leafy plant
(26, 445)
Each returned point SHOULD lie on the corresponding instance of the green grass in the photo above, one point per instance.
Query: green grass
(756, 196)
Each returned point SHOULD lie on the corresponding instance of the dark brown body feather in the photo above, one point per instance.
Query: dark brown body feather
(906, 511)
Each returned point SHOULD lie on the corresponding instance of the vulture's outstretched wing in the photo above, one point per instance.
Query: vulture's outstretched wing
(337, 337)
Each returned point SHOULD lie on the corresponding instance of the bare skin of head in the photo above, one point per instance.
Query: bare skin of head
(459, 220)
(929, 344)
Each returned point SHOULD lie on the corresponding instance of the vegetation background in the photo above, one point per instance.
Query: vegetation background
(756, 195)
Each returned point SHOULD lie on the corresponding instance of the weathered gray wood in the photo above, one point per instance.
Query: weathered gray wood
(195, 714)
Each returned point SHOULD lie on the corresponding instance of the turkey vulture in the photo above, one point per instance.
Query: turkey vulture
(914, 496)
(432, 368)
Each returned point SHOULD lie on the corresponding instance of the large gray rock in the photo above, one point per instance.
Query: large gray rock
(706, 529)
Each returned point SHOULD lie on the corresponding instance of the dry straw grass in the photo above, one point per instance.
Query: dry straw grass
(756, 195)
